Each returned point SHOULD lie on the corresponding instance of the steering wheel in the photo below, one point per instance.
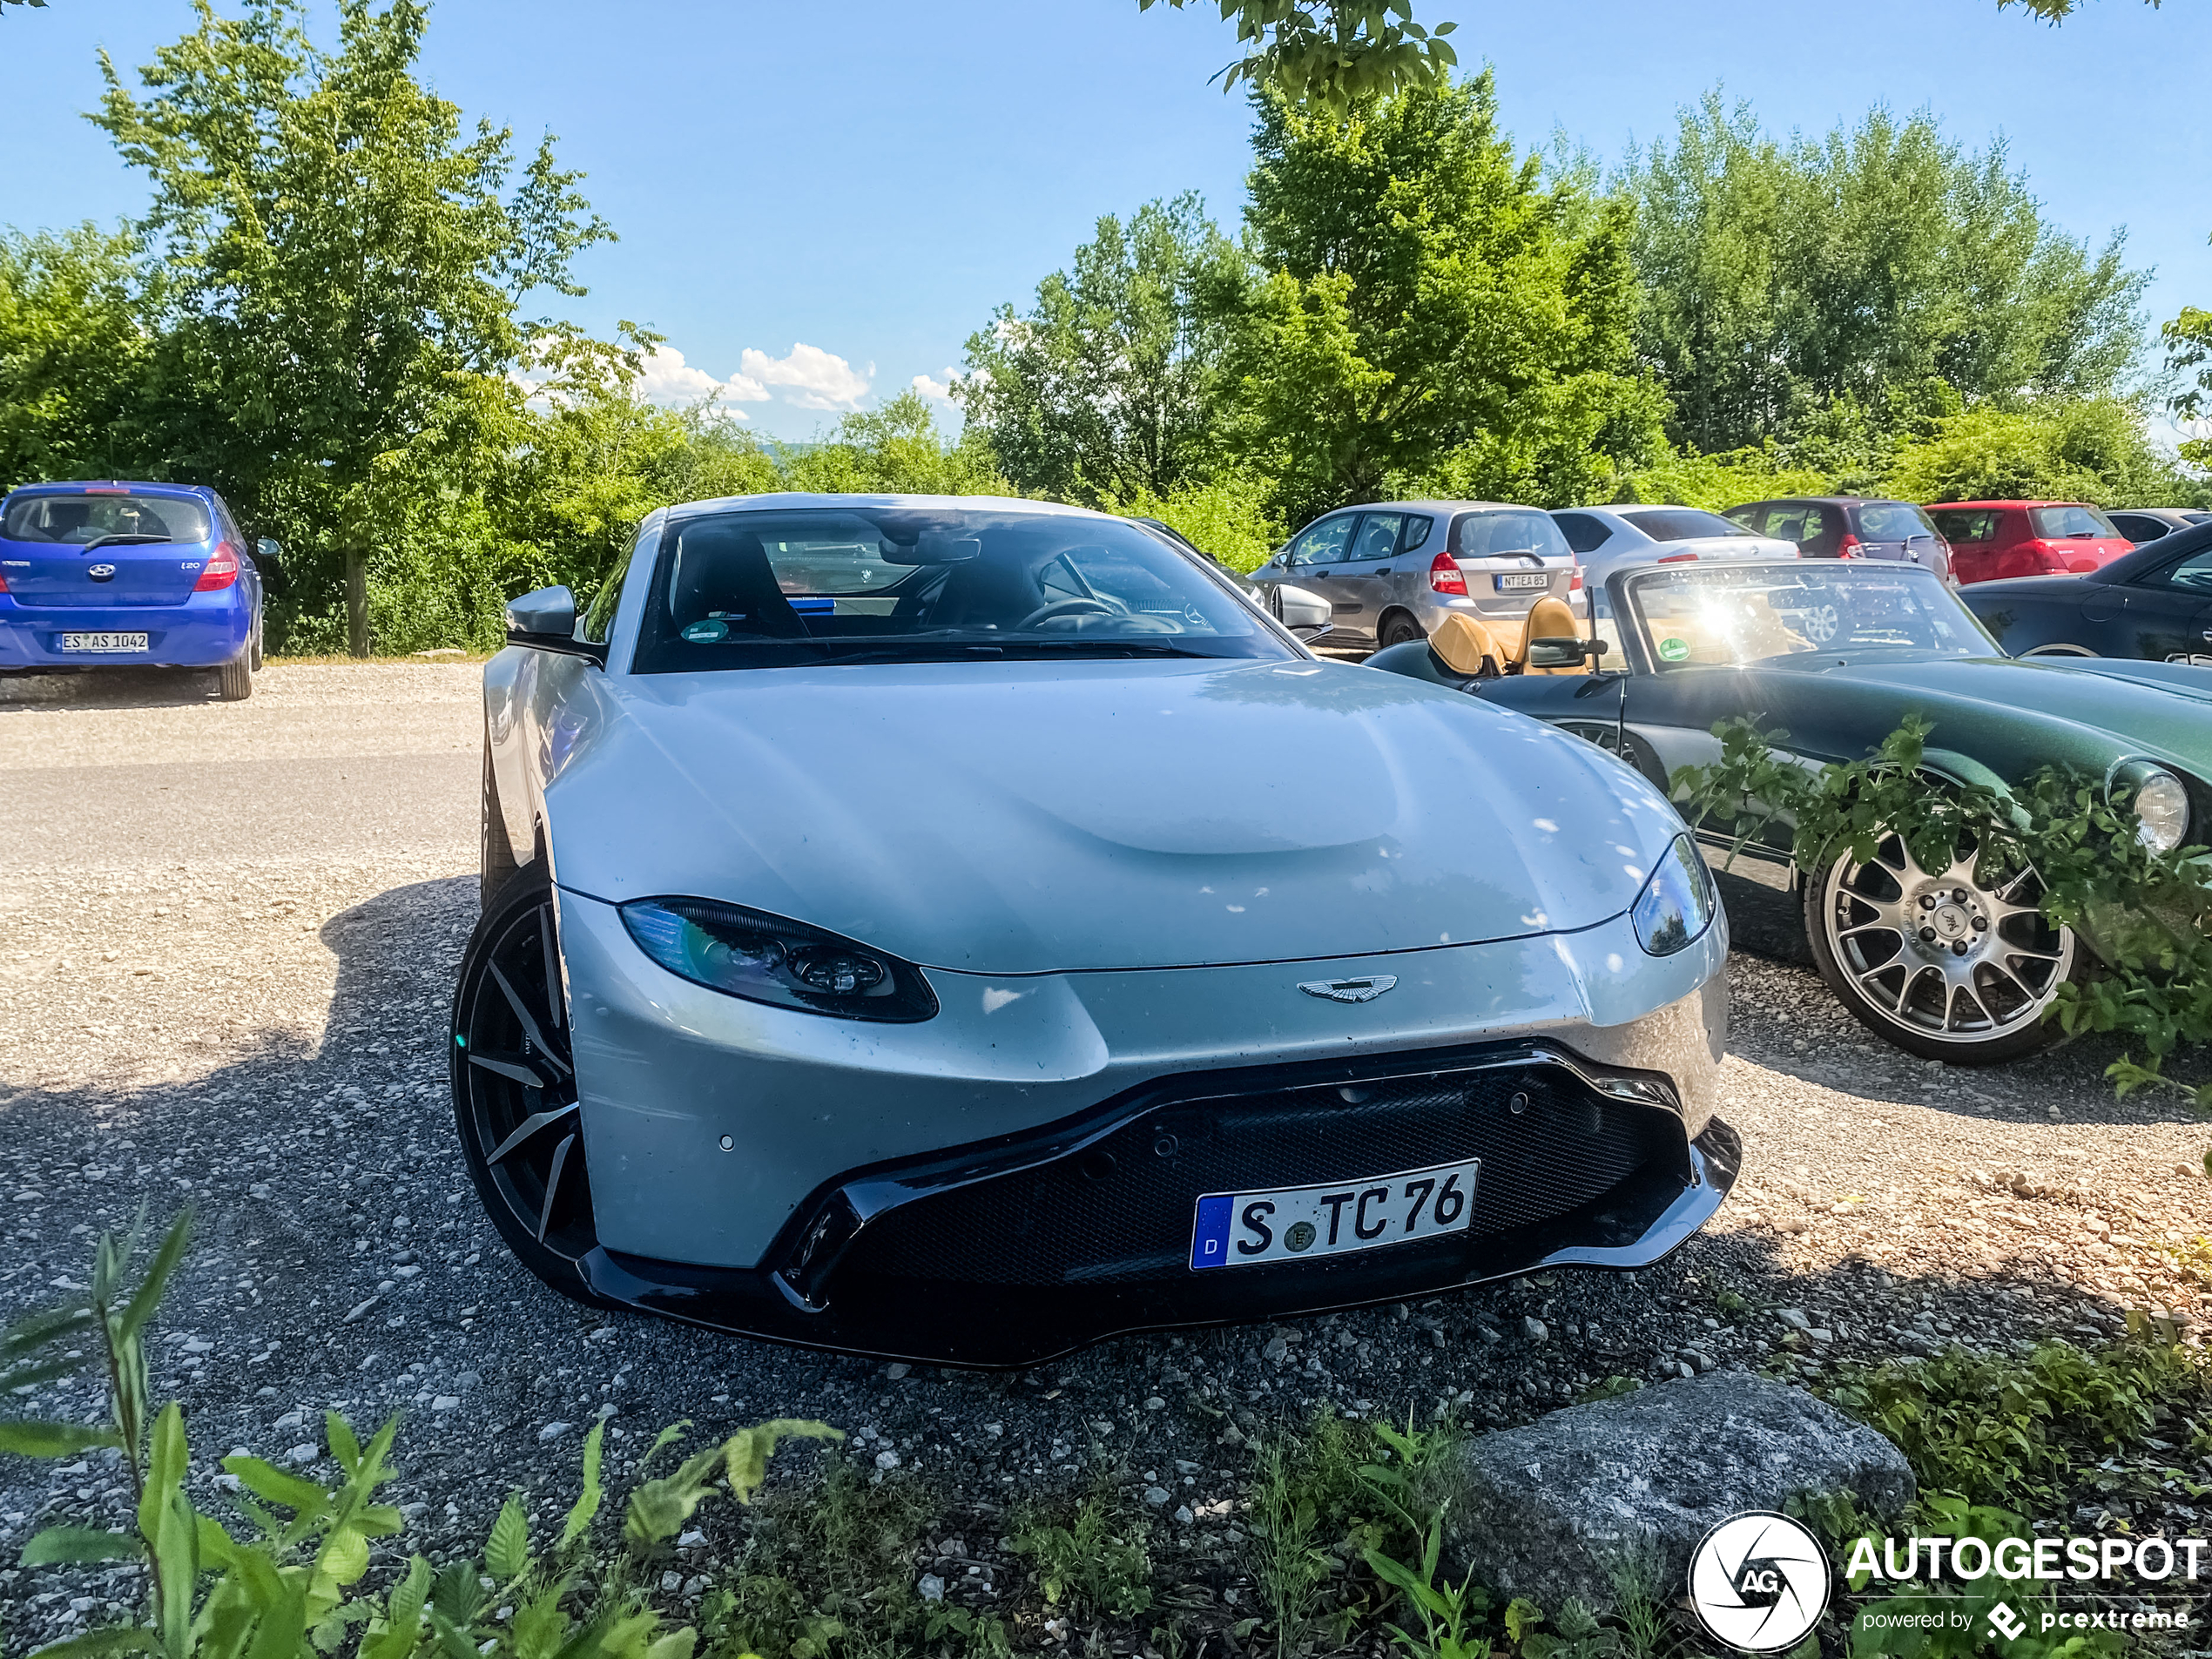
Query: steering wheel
(1078, 606)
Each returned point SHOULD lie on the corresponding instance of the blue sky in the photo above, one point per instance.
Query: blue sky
(819, 201)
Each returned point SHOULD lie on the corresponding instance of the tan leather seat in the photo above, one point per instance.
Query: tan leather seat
(1468, 647)
(1548, 619)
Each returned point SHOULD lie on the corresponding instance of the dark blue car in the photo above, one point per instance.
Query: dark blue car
(150, 574)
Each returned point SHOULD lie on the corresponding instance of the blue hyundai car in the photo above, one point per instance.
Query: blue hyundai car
(150, 574)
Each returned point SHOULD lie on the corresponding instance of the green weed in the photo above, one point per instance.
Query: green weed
(1096, 1562)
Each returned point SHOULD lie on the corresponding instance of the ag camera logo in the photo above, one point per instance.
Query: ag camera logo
(1759, 1582)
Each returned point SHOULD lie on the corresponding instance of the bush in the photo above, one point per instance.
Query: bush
(1227, 518)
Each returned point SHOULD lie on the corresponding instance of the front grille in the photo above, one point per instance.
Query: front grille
(1119, 1209)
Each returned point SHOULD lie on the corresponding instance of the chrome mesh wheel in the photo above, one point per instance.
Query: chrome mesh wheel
(1939, 957)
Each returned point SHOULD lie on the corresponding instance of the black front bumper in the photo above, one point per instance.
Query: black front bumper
(1013, 1251)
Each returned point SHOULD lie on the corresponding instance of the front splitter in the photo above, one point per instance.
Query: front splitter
(998, 1327)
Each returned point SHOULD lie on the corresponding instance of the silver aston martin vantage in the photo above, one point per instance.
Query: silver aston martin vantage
(962, 929)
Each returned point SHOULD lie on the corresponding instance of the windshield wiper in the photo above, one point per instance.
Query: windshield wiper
(123, 538)
(1127, 647)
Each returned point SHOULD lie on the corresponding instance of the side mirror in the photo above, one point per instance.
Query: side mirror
(268, 559)
(1298, 608)
(545, 620)
(1565, 653)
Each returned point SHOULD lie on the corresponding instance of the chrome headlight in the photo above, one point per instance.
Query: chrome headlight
(2162, 804)
(1677, 903)
(766, 959)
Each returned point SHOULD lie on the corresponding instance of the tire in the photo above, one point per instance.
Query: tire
(495, 854)
(234, 679)
(514, 1089)
(1978, 1007)
(1396, 629)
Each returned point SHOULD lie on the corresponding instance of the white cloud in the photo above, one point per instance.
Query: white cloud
(809, 378)
(928, 387)
(668, 379)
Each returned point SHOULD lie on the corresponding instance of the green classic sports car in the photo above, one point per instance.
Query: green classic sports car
(1838, 655)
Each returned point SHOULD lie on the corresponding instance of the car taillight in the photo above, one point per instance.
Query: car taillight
(1575, 582)
(2051, 561)
(219, 572)
(4, 584)
(1848, 548)
(107, 490)
(1445, 575)
(1677, 558)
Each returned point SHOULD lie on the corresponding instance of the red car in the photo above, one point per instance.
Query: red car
(1993, 539)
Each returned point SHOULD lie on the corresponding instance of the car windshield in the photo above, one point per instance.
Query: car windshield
(2071, 523)
(1892, 521)
(1694, 615)
(1680, 524)
(77, 518)
(770, 589)
(1516, 532)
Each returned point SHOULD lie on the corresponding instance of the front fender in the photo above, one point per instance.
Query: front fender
(503, 694)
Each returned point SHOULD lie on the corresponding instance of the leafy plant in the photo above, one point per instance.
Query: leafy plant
(277, 1581)
(2036, 1431)
(1098, 1563)
(2146, 911)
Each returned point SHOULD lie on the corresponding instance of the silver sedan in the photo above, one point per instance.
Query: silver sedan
(962, 929)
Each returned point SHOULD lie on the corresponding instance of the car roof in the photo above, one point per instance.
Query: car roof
(1827, 500)
(1435, 507)
(2009, 504)
(784, 500)
(78, 486)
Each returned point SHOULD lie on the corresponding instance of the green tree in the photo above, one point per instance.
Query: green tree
(73, 348)
(2093, 449)
(1429, 310)
(1103, 386)
(1882, 265)
(1331, 55)
(897, 450)
(344, 267)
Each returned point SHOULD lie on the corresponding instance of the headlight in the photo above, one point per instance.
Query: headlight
(2162, 810)
(1677, 903)
(766, 959)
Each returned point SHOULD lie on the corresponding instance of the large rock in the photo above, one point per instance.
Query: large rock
(1562, 1507)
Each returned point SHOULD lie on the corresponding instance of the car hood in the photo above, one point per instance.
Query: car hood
(1034, 818)
(2162, 711)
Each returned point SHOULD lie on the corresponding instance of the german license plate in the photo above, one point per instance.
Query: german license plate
(103, 641)
(1244, 1228)
(1521, 581)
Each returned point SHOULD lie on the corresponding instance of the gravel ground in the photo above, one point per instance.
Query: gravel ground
(234, 994)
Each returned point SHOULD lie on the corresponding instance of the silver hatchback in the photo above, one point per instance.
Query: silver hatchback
(1393, 570)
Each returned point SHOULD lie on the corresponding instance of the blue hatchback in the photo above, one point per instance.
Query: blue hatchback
(152, 573)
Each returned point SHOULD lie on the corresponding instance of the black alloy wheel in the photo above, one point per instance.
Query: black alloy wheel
(514, 1087)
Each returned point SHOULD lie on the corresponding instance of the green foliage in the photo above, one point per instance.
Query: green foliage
(1331, 55)
(1864, 268)
(1103, 388)
(1428, 310)
(73, 348)
(2045, 1431)
(897, 450)
(2092, 450)
(1716, 482)
(2146, 912)
(1227, 518)
(280, 1585)
(1095, 1561)
(829, 1570)
(343, 268)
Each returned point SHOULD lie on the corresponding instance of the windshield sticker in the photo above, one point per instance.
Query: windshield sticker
(1673, 650)
(705, 633)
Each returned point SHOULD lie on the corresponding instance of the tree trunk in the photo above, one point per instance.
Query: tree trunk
(356, 604)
